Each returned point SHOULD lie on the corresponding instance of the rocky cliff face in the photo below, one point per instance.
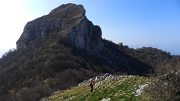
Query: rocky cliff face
(69, 20)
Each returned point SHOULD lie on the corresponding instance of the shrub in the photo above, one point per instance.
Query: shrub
(165, 86)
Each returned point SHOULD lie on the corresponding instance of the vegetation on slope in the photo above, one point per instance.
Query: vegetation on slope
(118, 88)
(162, 87)
(46, 64)
(53, 63)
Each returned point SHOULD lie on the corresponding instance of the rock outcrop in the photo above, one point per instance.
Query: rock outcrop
(69, 20)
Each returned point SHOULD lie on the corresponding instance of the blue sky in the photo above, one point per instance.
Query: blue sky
(136, 23)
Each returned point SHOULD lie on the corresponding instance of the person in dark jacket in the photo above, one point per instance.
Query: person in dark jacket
(91, 84)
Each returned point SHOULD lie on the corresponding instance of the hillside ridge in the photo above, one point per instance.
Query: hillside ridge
(107, 88)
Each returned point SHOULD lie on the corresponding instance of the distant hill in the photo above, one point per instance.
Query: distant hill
(63, 48)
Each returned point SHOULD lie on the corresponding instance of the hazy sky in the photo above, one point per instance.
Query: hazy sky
(136, 23)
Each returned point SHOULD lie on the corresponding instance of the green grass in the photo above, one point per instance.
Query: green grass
(117, 90)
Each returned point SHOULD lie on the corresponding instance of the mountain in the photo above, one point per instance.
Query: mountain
(63, 48)
(69, 20)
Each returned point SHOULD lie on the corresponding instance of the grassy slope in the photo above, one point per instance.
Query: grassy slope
(122, 89)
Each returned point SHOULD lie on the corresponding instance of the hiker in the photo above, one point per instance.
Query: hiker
(91, 84)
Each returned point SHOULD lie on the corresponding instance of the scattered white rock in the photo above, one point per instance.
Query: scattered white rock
(141, 88)
(69, 99)
(56, 92)
(107, 74)
(130, 76)
(106, 99)
(98, 84)
(99, 78)
(52, 97)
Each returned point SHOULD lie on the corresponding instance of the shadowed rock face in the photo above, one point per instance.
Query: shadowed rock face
(66, 19)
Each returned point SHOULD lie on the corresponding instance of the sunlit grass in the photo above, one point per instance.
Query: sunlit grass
(117, 90)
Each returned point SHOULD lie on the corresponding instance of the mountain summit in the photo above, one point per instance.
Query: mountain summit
(69, 23)
(67, 19)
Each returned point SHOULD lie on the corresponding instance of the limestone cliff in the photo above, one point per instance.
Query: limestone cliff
(67, 19)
